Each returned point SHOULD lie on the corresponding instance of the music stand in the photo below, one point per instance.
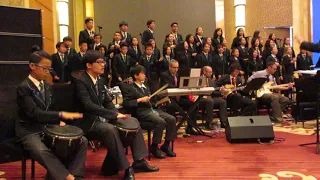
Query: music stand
(254, 84)
(317, 82)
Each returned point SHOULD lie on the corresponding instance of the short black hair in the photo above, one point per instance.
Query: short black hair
(148, 45)
(271, 63)
(81, 42)
(90, 57)
(37, 56)
(123, 44)
(59, 44)
(88, 20)
(150, 22)
(136, 70)
(67, 38)
(174, 23)
(35, 48)
(97, 34)
(123, 23)
(233, 67)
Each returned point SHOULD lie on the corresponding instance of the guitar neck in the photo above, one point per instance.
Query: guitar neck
(277, 86)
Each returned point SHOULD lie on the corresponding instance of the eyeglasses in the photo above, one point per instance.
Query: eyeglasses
(45, 68)
(101, 62)
(174, 67)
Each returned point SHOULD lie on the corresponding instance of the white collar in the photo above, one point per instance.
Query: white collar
(150, 30)
(141, 86)
(94, 80)
(35, 81)
(60, 54)
(273, 55)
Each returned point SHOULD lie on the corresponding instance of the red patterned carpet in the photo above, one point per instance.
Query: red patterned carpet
(214, 159)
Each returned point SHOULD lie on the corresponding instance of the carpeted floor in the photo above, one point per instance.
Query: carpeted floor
(214, 159)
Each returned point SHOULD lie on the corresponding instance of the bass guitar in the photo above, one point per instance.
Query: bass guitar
(267, 87)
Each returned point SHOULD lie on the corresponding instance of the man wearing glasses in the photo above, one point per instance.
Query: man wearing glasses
(99, 117)
(34, 102)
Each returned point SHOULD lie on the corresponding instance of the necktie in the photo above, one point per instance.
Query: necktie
(304, 57)
(125, 35)
(206, 55)
(136, 50)
(176, 37)
(62, 58)
(148, 58)
(142, 89)
(96, 88)
(42, 91)
(124, 58)
(176, 85)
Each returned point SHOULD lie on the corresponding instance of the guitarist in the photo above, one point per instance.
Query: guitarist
(235, 100)
(277, 101)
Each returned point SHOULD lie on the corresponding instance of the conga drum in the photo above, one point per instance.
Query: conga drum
(128, 129)
(62, 140)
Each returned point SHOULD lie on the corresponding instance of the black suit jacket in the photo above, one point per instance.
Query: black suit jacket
(91, 104)
(167, 78)
(254, 66)
(220, 64)
(243, 54)
(200, 46)
(201, 60)
(304, 64)
(114, 50)
(62, 70)
(150, 66)
(225, 79)
(71, 52)
(310, 46)
(128, 39)
(173, 50)
(180, 39)
(34, 112)
(135, 56)
(85, 37)
(75, 63)
(121, 68)
(146, 36)
(185, 59)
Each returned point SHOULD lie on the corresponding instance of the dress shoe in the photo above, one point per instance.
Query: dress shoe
(129, 174)
(156, 152)
(168, 151)
(276, 120)
(143, 166)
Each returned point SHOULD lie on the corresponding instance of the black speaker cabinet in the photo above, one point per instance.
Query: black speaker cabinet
(249, 129)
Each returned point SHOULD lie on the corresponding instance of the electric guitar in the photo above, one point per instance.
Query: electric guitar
(230, 89)
(266, 87)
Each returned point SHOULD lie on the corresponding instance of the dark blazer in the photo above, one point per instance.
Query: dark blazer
(150, 66)
(203, 61)
(121, 68)
(85, 37)
(219, 64)
(216, 42)
(167, 78)
(156, 53)
(281, 52)
(97, 47)
(34, 112)
(185, 59)
(135, 56)
(62, 70)
(164, 64)
(277, 74)
(225, 79)
(227, 53)
(254, 65)
(173, 50)
(304, 64)
(287, 69)
(253, 49)
(194, 58)
(243, 54)
(196, 40)
(128, 39)
(233, 60)
(71, 52)
(310, 46)
(179, 39)
(115, 50)
(75, 63)
(91, 104)
(146, 36)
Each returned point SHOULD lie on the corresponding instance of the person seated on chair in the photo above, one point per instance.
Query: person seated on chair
(139, 101)
(277, 101)
(99, 117)
(34, 103)
(234, 100)
(172, 78)
(218, 102)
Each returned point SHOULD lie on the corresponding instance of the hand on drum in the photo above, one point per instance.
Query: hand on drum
(62, 123)
(144, 99)
(122, 116)
(71, 115)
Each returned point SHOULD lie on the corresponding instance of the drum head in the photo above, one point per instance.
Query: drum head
(128, 123)
(66, 131)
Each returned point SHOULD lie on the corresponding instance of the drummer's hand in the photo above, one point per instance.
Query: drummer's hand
(62, 123)
(143, 99)
(70, 115)
(122, 116)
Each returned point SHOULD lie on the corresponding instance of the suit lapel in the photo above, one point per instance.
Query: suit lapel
(47, 94)
(36, 93)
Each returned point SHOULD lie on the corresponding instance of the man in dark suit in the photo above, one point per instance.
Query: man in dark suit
(234, 100)
(273, 58)
(148, 33)
(114, 46)
(121, 64)
(68, 42)
(100, 115)
(204, 58)
(198, 39)
(304, 60)
(142, 106)
(150, 63)
(125, 36)
(75, 63)
(174, 30)
(60, 64)
(218, 102)
(87, 34)
(309, 46)
(34, 102)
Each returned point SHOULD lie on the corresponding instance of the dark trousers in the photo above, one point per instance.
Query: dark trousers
(221, 104)
(278, 103)
(109, 135)
(207, 105)
(55, 168)
(161, 121)
(247, 106)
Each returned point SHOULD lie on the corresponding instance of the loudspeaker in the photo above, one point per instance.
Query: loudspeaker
(249, 128)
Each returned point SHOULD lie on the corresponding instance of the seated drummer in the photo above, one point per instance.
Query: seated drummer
(99, 113)
(172, 78)
(145, 111)
(34, 102)
(218, 102)
(277, 101)
(234, 100)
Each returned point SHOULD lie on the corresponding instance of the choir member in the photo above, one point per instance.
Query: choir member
(256, 45)
(288, 65)
(87, 34)
(198, 39)
(97, 41)
(170, 42)
(75, 63)
(217, 38)
(304, 60)
(208, 40)
(226, 51)
(134, 49)
(267, 51)
(125, 36)
(220, 63)
(68, 42)
(191, 49)
(243, 55)
(184, 57)
(204, 58)
(236, 40)
(273, 58)
(273, 37)
(60, 64)
(174, 30)
(156, 51)
(286, 43)
(255, 63)
(148, 33)
(165, 59)
(114, 46)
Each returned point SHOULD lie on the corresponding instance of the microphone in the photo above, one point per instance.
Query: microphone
(100, 27)
(279, 39)
(247, 37)
(140, 34)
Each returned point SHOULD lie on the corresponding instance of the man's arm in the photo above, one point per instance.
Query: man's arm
(91, 107)
(310, 46)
